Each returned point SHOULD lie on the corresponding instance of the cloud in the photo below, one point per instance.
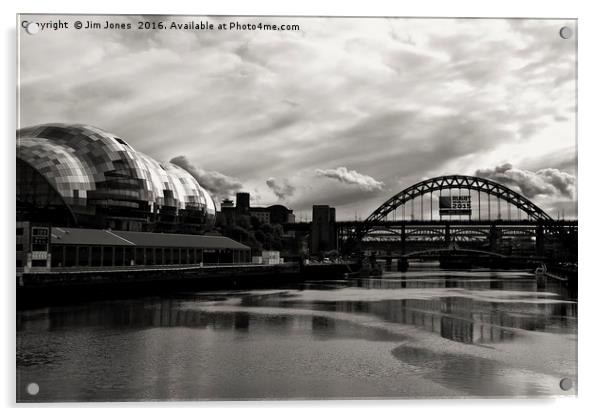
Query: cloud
(351, 177)
(546, 181)
(219, 185)
(282, 189)
(397, 98)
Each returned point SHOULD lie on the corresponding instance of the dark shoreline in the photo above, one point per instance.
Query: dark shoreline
(45, 289)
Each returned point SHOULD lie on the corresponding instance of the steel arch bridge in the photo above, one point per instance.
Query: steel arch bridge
(532, 232)
(440, 183)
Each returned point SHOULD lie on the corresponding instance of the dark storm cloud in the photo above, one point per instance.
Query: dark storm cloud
(220, 185)
(281, 188)
(552, 182)
(411, 143)
(351, 177)
(339, 196)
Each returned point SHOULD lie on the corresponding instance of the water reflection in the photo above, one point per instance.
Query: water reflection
(321, 340)
(480, 376)
(458, 318)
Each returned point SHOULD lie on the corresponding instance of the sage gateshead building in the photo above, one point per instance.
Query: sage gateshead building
(78, 176)
(74, 175)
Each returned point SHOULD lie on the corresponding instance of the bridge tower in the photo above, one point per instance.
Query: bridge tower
(323, 229)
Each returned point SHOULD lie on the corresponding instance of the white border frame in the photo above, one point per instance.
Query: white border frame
(589, 74)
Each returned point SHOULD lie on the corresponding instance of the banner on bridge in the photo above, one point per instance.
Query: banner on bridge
(455, 205)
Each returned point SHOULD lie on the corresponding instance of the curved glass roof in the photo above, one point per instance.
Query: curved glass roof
(89, 166)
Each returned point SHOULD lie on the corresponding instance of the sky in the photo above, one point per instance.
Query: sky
(344, 111)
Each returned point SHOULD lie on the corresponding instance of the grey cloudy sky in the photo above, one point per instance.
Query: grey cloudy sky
(344, 112)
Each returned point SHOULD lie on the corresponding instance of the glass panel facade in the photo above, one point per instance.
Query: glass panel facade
(101, 181)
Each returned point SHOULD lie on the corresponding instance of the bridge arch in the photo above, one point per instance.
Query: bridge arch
(470, 232)
(453, 182)
(452, 250)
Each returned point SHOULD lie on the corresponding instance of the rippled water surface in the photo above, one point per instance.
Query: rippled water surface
(424, 333)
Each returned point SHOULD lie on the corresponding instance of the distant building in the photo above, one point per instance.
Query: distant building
(42, 247)
(274, 214)
(279, 214)
(323, 229)
(227, 203)
(261, 214)
(243, 203)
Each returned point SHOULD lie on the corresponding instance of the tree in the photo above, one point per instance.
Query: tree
(243, 221)
(255, 222)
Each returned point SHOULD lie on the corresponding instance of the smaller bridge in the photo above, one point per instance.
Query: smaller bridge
(454, 257)
(453, 250)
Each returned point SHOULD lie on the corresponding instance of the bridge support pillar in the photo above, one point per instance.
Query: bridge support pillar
(539, 243)
(493, 237)
(402, 239)
(402, 264)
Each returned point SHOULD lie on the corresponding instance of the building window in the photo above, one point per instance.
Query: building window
(121, 141)
(57, 256)
(107, 256)
(19, 247)
(118, 256)
(84, 256)
(96, 256)
(70, 256)
(128, 254)
(39, 239)
(140, 256)
(158, 256)
(149, 256)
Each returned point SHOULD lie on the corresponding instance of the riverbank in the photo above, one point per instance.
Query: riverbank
(66, 285)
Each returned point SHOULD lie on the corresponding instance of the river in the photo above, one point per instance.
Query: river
(426, 333)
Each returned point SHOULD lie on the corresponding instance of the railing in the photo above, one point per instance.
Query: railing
(147, 267)
(206, 265)
(139, 267)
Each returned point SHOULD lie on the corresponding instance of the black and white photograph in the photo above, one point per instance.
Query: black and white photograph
(234, 208)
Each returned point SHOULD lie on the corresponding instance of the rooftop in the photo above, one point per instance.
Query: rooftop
(88, 236)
